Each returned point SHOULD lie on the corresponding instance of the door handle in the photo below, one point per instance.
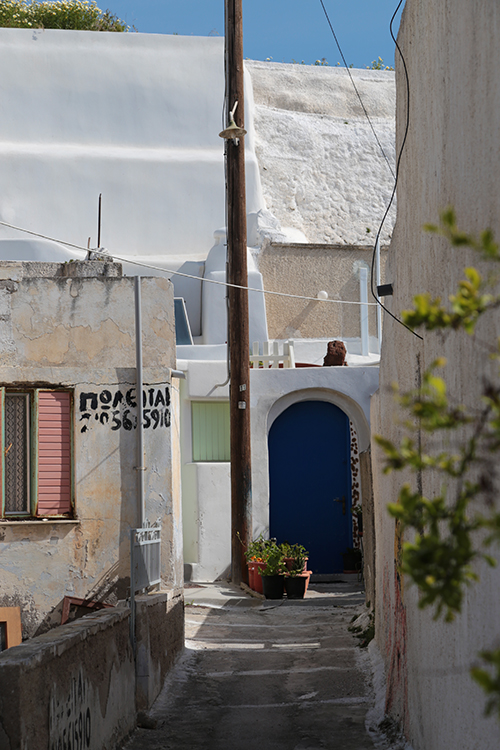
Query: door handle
(338, 500)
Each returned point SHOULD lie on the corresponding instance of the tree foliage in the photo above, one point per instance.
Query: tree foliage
(461, 523)
(79, 15)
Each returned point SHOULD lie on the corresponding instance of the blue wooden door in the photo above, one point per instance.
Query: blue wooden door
(310, 482)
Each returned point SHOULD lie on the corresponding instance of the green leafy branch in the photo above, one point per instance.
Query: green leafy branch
(488, 677)
(470, 301)
(452, 530)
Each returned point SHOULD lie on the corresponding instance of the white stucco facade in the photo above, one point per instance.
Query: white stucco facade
(206, 485)
(135, 117)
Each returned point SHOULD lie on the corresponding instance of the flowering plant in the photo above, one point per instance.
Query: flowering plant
(79, 15)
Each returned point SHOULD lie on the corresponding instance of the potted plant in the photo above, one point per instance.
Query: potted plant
(352, 560)
(292, 553)
(297, 577)
(273, 571)
(254, 556)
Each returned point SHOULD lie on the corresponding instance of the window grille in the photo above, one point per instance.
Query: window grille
(17, 453)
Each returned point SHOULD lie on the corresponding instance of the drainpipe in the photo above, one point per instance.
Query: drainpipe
(379, 309)
(363, 297)
(140, 468)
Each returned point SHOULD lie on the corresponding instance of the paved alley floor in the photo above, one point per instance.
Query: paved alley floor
(264, 675)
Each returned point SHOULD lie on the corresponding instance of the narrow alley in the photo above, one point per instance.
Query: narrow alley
(286, 675)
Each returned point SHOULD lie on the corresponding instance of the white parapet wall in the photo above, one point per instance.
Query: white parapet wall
(135, 117)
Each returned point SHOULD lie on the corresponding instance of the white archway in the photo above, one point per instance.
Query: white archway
(347, 404)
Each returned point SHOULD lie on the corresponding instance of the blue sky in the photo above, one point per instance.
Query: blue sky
(284, 30)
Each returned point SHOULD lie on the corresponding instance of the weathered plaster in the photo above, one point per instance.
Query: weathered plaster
(451, 158)
(89, 557)
(322, 172)
(78, 681)
(304, 270)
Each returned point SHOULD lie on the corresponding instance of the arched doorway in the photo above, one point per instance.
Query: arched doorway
(310, 482)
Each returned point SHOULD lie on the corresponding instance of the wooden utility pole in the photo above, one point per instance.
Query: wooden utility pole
(239, 337)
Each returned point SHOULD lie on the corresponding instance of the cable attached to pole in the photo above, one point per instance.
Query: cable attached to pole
(398, 164)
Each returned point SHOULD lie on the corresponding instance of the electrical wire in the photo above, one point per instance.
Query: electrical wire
(356, 88)
(398, 163)
(43, 236)
(171, 273)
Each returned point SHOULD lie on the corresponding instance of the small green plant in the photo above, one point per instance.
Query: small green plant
(378, 65)
(257, 549)
(296, 557)
(79, 15)
(273, 557)
(279, 558)
(363, 627)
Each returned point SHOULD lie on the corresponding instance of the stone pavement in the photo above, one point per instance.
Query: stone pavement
(264, 675)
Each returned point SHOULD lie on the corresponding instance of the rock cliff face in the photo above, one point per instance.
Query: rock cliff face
(323, 174)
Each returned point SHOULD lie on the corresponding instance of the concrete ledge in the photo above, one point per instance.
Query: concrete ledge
(74, 683)
(159, 638)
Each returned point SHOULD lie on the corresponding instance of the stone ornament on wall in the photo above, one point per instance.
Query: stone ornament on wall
(336, 355)
(355, 482)
(116, 408)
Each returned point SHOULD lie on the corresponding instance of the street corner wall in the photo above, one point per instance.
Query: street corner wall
(83, 323)
(160, 639)
(388, 587)
(173, 546)
(450, 158)
(79, 334)
(73, 687)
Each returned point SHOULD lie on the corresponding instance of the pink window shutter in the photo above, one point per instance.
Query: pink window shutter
(54, 453)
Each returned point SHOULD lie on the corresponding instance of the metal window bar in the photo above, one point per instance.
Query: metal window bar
(17, 454)
(145, 566)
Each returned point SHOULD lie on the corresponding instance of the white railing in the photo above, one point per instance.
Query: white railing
(271, 356)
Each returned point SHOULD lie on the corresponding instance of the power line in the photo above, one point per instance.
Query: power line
(356, 88)
(168, 272)
(398, 163)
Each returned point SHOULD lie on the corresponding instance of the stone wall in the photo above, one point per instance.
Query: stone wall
(79, 686)
(74, 685)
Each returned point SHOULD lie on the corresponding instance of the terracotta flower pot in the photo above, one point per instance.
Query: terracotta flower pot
(251, 574)
(254, 577)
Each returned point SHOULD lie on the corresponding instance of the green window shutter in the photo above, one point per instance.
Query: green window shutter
(210, 426)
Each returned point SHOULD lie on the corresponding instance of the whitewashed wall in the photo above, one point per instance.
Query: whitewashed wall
(135, 117)
(206, 486)
(451, 158)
